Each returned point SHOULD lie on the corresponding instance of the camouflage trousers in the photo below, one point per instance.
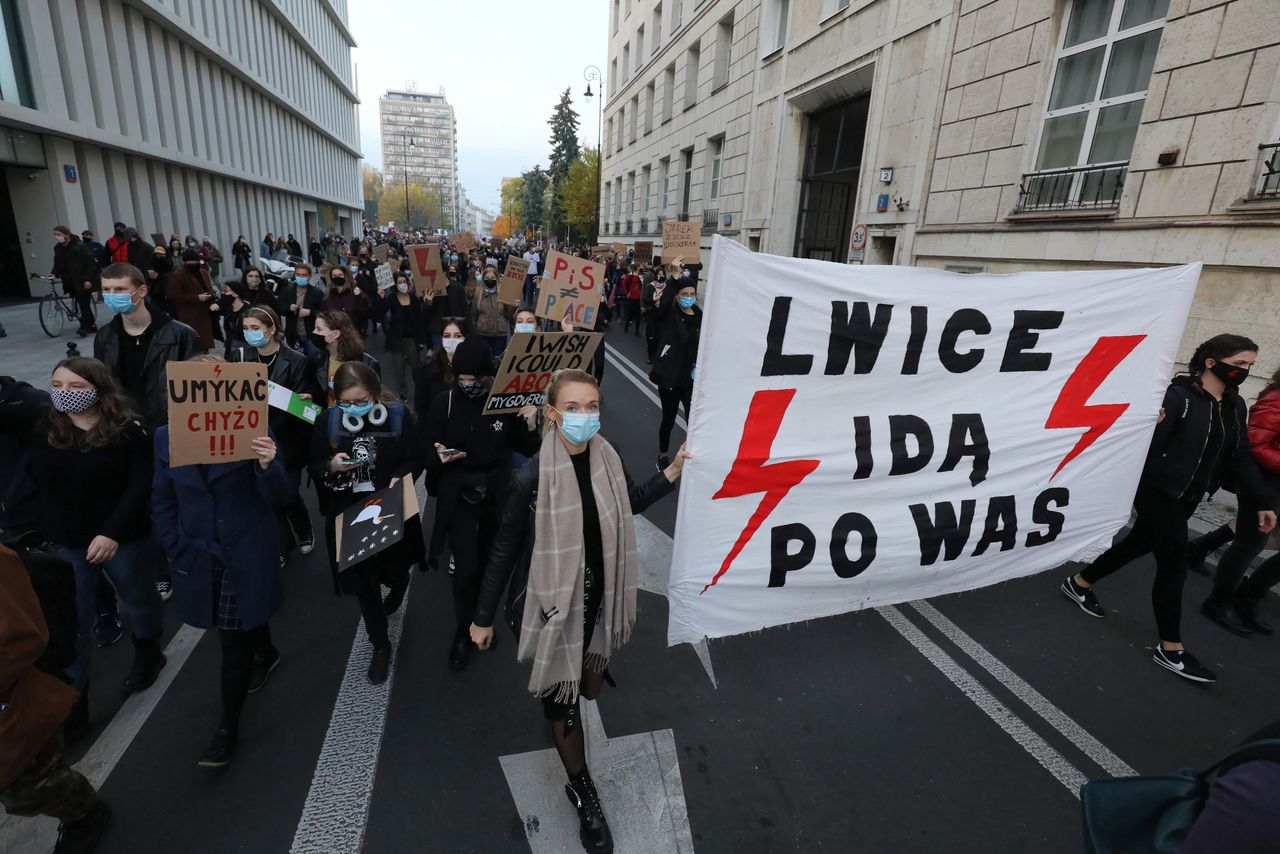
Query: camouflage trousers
(50, 787)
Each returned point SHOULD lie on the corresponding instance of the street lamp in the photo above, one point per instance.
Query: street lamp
(408, 223)
(593, 75)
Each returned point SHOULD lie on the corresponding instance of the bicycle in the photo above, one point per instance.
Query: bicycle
(56, 308)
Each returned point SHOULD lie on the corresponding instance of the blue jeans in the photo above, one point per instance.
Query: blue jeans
(133, 573)
(497, 344)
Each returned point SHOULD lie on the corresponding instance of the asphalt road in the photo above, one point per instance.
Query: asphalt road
(961, 727)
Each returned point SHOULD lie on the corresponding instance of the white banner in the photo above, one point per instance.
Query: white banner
(867, 435)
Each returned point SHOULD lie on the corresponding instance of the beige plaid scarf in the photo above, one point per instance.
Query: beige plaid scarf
(552, 628)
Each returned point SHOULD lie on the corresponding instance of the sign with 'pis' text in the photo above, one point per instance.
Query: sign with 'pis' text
(528, 363)
(868, 435)
(571, 290)
(215, 411)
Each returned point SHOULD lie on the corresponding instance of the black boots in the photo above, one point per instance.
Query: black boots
(147, 661)
(82, 835)
(459, 649)
(593, 829)
(379, 665)
(1247, 611)
(1224, 614)
(218, 754)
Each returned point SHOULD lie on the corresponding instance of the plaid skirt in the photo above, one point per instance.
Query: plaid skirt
(226, 610)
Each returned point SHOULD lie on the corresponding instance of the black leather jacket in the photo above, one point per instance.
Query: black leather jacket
(171, 341)
(513, 546)
(289, 370)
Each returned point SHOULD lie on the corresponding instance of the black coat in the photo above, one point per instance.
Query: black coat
(288, 370)
(285, 299)
(21, 408)
(171, 341)
(74, 263)
(678, 335)
(318, 374)
(452, 303)
(1178, 445)
(404, 321)
(513, 547)
(141, 254)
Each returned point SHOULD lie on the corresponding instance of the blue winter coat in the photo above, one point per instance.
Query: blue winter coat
(225, 513)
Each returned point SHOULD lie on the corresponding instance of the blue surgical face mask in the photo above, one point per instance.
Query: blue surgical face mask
(302, 281)
(255, 337)
(688, 302)
(119, 303)
(357, 410)
(526, 327)
(579, 427)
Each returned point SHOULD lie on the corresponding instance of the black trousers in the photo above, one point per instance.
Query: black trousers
(1246, 546)
(472, 528)
(671, 400)
(239, 646)
(651, 334)
(293, 518)
(631, 314)
(1160, 529)
(84, 303)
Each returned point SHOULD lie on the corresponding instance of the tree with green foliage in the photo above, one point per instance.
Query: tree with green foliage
(564, 153)
(535, 190)
(577, 196)
(513, 201)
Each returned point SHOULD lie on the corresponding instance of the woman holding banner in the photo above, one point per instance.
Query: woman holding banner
(469, 455)
(226, 566)
(1201, 436)
(264, 342)
(362, 444)
(679, 322)
(567, 546)
(405, 331)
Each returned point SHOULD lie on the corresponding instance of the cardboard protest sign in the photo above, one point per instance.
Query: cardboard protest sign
(602, 249)
(496, 242)
(289, 401)
(215, 411)
(618, 248)
(644, 251)
(681, 240)
(867, 435)
(424, 263)
(570, 290)
(380, 252)
(374, 524)
(511, 285)
(530, 360)
(385, 278)
(464, 241)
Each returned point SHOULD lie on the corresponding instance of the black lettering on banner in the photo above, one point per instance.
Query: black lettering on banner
(966, 426)
(915, 344)
(862, 446)
(854, 330)
(1041, 514)
(781, 561)
(776, 363)
(943, 529)
(847, 524)
(1001, 525)
(900, 427)
(1023, 336)
(964, 320)
(178, 392)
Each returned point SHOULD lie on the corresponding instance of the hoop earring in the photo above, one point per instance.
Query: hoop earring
(378, 415)
(352, 423)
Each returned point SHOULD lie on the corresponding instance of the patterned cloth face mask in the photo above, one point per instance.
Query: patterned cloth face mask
(72, 402)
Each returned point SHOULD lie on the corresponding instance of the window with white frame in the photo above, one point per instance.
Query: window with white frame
(631, 194)
(715, 154)
(1101, 72)
(617, 17)
(668, 92)
(724, 42)
(774, 27)
(639, 47)
(693, 58)
(675, 14)
(607, 191)
(626, 62)
(650, 93)
(632, 114)
(664, 179)
(655, 31)
(830, 7)
(646, 175)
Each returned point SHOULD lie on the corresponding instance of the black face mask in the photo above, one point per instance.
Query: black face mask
(1231, 376)
(339, 282)
(319, 341)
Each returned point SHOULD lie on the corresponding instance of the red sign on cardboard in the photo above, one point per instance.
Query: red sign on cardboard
(428, 273)
(571, 290)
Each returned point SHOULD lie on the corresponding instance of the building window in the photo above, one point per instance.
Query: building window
(715, 154)
(774, 30)
(616, 16)
(830, 7)
(646, 176)
(622, 123)
(15, 81)
(631, 194)
(626, 62)
(724, 42)
(1102, 70)
(632, 114)
(613, 76)
(668, 91)
(692, 58)
(686, 188)
(639, 47)
(656, 29)
(650, 93)
(664, 179)
(675, 14)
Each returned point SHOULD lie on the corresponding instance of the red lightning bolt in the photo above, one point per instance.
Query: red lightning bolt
(217, 370)
(750, 474)
(1072, 408)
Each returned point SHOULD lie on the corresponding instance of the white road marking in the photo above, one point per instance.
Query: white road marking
(1034, 700)
(638, 777)
(38, 834)
(638, 379)
(1053, 761)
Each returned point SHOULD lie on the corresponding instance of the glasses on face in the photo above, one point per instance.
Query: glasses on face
(356, 402)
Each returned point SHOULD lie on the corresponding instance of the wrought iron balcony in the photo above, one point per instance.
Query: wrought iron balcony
(710, 219)
(1082, 188)
(1270, 186)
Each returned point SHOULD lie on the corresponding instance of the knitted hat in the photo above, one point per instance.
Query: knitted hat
(190, 255)
(473, 357)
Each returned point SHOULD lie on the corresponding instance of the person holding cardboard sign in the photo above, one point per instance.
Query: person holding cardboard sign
(90, 460)
(364, 443)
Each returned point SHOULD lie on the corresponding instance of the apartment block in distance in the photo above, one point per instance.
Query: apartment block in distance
(420, 143)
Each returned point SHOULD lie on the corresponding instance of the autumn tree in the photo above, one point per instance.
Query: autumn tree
(577, 196)
(425, 207)
(513, 199)
(372, 182)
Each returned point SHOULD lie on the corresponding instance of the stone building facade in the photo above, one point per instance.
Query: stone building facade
(992, 135)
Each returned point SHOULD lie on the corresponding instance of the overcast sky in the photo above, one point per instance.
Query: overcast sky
(502, 63)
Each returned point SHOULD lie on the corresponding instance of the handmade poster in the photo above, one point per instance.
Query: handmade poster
(374, 524)
(644, 251)
(570, 290)
(511, 285)
(528, 363)
(424, 263)
(868, 435)
(215, 411)
(681, 240)
(464, 241)
(618, 248)
(381, 252)
(384, 276)
(289, 401)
